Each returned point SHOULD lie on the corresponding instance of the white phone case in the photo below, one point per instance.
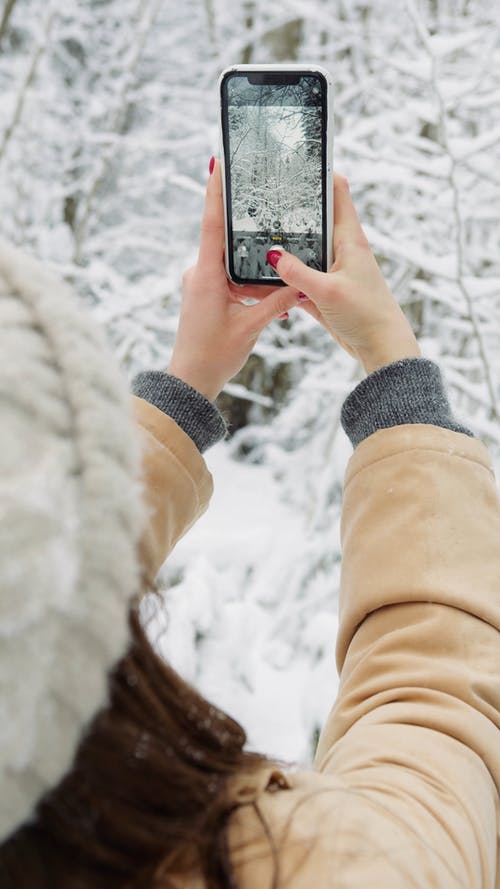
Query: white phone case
(329, 152)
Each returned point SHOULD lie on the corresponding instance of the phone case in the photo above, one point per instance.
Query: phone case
(329, 155)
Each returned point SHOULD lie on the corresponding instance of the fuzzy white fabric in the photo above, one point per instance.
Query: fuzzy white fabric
(71, 515)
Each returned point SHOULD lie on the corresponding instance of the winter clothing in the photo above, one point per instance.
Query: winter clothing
(194, 413)
(405, 786)
(404, 791)
(71, 513)
(407, 391)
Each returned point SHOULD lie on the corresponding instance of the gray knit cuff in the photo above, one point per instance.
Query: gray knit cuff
(407, 391)
(194, 413)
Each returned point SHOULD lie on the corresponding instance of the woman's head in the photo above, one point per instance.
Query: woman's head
(71, 514)
(147, 788)
(109, 763)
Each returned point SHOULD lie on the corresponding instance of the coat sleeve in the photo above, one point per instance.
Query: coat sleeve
(177, 484)
(415, 725)
(405, 790)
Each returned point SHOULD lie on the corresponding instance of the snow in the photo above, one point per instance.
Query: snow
(235, 563)
(104, 152)
(465, 148)
(444, 44)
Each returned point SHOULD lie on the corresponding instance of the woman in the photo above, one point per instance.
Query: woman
(115, 772)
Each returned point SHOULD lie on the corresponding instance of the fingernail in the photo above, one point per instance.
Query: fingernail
(273, 257)
(284, 316)
(211, 165)
(302, 297)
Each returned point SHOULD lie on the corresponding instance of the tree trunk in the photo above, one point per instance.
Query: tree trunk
(249, 20)
(283, 43)
(9, 6)
(211, 27)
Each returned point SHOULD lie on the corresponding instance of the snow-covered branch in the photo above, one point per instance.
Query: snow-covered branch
(485, 141)
(38, 51)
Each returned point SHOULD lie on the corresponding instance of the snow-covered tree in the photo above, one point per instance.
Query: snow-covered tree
(108, 117)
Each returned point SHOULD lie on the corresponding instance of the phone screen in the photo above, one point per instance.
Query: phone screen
(275, 151)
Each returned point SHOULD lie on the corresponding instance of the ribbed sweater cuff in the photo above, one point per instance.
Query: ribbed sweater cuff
(194, 413)
(407, 391)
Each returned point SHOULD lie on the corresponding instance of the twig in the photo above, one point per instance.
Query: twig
(28, 80)
(459, 225)
(320, 504)
(9, 6)
(146, 14)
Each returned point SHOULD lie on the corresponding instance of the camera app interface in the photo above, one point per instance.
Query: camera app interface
(275, 151)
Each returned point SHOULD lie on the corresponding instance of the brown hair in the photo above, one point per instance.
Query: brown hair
(147, 788)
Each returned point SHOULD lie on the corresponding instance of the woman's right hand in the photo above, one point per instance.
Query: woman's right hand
(352, 301)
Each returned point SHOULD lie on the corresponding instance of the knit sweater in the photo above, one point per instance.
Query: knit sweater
(407, 391)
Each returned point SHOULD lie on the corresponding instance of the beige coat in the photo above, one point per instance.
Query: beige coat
(404, 793)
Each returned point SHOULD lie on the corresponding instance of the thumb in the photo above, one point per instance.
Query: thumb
(293, 271)
(272, 306)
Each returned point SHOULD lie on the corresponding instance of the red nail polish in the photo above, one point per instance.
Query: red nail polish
(303, 297)
(273, 257)
(211, 165)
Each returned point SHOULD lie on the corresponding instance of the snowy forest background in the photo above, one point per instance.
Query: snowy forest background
(108, 117)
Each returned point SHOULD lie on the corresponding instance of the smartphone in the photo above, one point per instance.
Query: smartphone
(276, 132)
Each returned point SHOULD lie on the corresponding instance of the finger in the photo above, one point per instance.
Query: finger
(211, 252)
(297, 274)
(347, 227)
(312, 310)
(277, 303)
(249, 291)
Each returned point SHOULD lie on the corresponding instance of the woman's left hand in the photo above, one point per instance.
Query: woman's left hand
(217, 332)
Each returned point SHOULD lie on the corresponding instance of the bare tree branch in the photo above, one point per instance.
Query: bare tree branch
(211, 27)
(459, 222)
(146, 13)
(38, 52)
(9, 6)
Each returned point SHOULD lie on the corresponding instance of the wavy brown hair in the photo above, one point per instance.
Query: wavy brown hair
(147, 788)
